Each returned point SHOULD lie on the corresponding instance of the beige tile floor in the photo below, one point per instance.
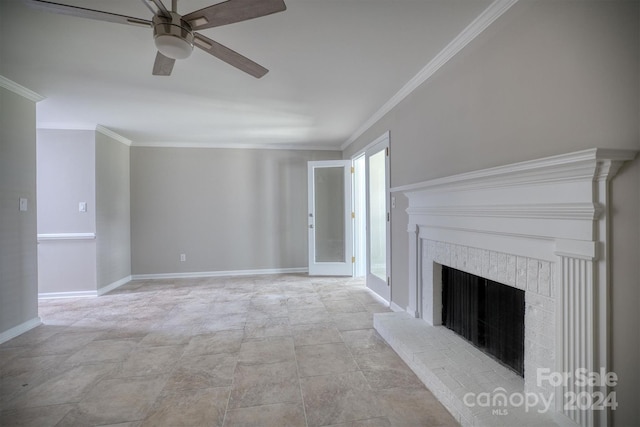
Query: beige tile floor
(278, 351)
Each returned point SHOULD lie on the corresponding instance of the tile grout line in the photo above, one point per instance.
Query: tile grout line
(235, 368)
(226, 408)
(304, 409)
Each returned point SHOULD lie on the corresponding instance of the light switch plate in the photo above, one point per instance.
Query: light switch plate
(23, 205)
(82, 206)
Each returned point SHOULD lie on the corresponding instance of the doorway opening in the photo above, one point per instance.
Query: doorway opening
(372, 236)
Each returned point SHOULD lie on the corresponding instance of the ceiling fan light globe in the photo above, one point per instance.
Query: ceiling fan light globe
(173, 36)
(173, 47)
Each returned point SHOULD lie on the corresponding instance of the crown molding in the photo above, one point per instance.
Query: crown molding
(65, 126)
(20, 90)
(111, 134)
(245, 146)
(473, 30)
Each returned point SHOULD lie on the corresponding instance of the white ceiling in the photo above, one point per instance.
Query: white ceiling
(333, 64)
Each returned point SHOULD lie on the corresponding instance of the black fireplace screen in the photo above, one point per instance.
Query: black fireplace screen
(487, 313)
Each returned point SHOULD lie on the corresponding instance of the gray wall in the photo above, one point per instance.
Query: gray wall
(18, 258)
(66, 170)
(113, 216)
(66, 176)
(226, 209)
(548, 77)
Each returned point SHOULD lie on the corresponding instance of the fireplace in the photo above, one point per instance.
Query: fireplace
(539, 227)
(488, 314)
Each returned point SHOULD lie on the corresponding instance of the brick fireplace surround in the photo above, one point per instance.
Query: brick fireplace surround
(540, 226)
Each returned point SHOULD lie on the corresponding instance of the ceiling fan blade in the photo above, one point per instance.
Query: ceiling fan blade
(163, 65)
(160, 7)
(232, 11)
(82, 12)
(229, 56)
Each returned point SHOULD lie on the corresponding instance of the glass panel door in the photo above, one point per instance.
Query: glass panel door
(378, 229)
(378, 215)
(330, 223)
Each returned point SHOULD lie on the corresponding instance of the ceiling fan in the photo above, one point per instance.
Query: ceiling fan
(175, 35)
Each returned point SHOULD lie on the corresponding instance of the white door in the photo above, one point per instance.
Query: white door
(329, 221)
(378, 219)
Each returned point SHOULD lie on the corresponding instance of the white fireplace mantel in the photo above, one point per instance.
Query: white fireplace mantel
(552, 213)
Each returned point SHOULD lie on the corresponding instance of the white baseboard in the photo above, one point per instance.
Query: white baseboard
(66, 236)
(219, 273)
(395, 307)
(74, 294)
(85, 294)
(103, 290)
(20, 329)
(412, 312)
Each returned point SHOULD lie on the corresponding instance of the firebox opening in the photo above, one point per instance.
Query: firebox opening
(488, 314)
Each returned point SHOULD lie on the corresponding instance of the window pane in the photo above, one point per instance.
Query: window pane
(378, 215)
(329, 211)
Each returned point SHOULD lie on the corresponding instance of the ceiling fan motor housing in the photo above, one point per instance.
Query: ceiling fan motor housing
(173, 36)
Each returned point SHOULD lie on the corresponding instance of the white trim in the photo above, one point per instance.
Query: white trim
(20, 329)
(197, 274)
(111, 134)
(395, 307)
(20, 90)
(65, 126)
(564, 167)
(238, 145)
(66, 236)
(384, 136)
(72, 294)
(473, 30)
(576, 249)
(581, 211)
(110, 287)
(85, 294)
(84, 126)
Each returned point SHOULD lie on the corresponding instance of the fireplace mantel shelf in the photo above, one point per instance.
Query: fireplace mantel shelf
(577, 165)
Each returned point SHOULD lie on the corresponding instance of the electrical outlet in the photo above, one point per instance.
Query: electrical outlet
(183, 257)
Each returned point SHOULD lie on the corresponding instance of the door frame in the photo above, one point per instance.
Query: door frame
(360, 213)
